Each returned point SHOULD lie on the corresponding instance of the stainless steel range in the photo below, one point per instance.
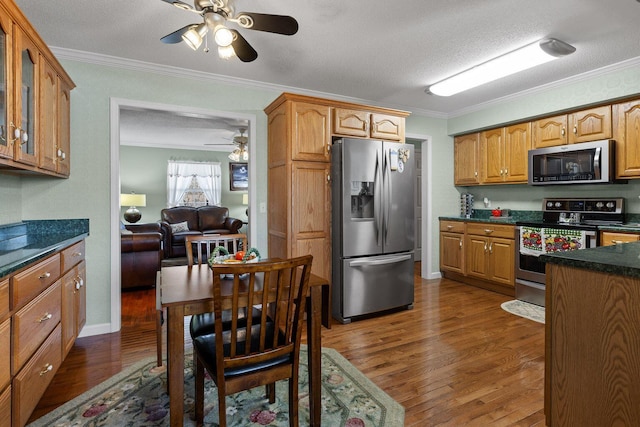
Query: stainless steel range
(567, 224)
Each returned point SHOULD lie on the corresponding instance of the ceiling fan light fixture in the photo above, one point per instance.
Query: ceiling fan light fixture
(226, 52)
(526, 57)
(223, 36)
(193, 37)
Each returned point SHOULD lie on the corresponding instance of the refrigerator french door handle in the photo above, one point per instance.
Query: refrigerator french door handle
(380, 261)
(377, 186)
(387, 193)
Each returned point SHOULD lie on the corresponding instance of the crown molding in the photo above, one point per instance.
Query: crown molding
(141, 66)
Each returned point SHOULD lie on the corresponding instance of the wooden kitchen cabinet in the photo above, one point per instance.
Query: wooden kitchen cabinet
(452, 246)
(365, 124)
(299, 212)
(42, 307)
(489, 252)
(504, 154)
(609, 238)
(580, 126)
(466, 159)
(34, 99)
(626, 133)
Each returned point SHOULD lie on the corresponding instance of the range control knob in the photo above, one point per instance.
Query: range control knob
(610, 205)
(558, 204)
(549, 204)
(599, 205)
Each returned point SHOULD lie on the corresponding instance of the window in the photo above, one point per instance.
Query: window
(193, 183)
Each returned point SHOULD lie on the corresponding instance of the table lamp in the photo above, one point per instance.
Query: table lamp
(132, 200)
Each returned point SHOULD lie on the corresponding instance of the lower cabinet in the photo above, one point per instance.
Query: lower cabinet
(610, 238)
(480, 254)
(38, 326)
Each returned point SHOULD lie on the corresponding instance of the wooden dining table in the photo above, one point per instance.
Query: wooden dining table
(188, 290)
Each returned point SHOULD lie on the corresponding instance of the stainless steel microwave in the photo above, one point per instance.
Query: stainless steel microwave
(582, 163)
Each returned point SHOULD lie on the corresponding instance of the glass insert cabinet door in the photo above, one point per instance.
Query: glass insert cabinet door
(5, 77)
(25, 98)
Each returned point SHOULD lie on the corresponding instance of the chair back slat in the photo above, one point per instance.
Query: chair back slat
(206, 244)
(278, 289)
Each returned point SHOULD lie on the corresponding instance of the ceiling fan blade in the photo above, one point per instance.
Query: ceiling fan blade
(242, 48)
(176, 36)
(181, 5)
(279, 24)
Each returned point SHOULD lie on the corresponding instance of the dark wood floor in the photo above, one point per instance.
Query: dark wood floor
(456, 359)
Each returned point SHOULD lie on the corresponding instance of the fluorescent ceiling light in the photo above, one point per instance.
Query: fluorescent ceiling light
(521, 59)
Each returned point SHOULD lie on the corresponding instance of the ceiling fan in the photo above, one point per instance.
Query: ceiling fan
(216, 14)
(241, 152)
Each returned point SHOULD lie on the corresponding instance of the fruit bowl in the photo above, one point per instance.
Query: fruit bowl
(220, 255)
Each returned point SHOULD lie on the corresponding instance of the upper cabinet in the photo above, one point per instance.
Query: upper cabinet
(365, 124)
(503, 154)
(580, 126)
(626, 117)
(466, 159)
(35, 100)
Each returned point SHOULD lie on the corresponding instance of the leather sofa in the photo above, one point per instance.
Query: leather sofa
(141, 255)
(182, 221)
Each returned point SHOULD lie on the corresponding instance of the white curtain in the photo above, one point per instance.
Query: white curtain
(180, 174)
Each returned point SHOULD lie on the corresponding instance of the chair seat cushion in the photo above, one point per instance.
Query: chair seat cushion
(203, 324)
(205, 348)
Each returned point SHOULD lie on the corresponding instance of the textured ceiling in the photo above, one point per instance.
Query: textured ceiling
(374, 51)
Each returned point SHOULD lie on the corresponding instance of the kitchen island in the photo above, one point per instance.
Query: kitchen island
(592, 336)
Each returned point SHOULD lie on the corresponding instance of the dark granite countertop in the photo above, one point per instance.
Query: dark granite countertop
(622, 260)
(484, 215)
(24, 243)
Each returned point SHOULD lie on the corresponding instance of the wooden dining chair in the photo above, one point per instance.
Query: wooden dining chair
(261, 351)
(204, 245)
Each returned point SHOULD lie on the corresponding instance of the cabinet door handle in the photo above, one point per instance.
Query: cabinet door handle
(617, 242)
(488, 231)
(47, 368)
(563, 132)
(506, 172)
(77, 254)
(485, 246)
(575, 129)
(45, 275)
(328, 148)
(328, 178)
(46, 317)
(491, 248)
(460, 243)
(449, 227)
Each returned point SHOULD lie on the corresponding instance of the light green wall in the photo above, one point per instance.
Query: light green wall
(144, 171)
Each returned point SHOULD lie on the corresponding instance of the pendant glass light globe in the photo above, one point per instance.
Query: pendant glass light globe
(223, 36)
(193, 37)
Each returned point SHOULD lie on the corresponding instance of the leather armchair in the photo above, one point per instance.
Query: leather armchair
(141, 254)
(202, 220)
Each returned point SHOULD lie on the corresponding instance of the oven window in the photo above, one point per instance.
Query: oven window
(531, 263)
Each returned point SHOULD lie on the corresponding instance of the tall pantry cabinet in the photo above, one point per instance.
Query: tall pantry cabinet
(301, 129)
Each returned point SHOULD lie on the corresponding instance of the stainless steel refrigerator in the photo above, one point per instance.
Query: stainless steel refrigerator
(372, 227)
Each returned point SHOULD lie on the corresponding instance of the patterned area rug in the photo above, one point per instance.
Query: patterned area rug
(524, 309)
(137, 397)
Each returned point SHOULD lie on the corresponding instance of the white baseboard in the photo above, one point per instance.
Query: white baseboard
(100, 329)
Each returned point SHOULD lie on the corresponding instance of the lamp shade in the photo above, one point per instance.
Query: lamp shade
(133, 200)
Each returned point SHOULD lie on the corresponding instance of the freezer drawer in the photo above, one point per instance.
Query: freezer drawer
(373, 284)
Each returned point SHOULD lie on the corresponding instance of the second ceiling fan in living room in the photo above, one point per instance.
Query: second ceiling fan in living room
(216, 15)
(241, 152)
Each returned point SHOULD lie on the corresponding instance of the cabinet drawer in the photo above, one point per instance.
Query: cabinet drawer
(32, 381)
(72, 255)
(452, 226)
(491, 230)
(32, 281)
(33, 323)
(4, 298)
(5, 408)
(5, 354)
(609, 238)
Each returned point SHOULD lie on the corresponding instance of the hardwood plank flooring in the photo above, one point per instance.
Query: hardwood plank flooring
(455, 359)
